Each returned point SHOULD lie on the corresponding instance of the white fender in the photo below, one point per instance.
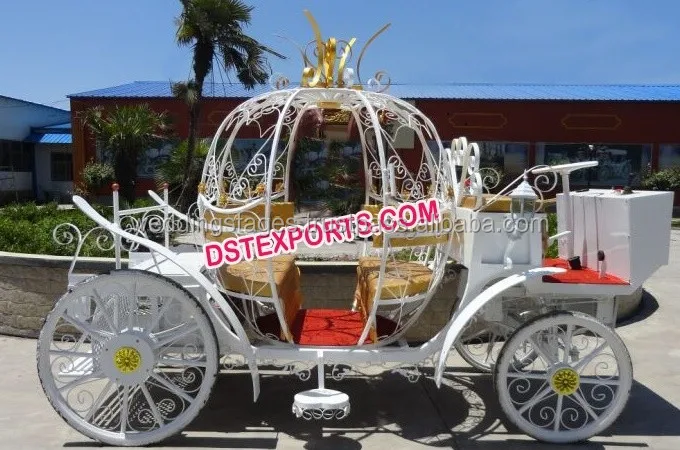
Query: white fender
(462, 317)
(237, 338)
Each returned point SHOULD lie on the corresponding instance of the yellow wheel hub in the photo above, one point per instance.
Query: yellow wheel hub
(127, 359)
(565, 381)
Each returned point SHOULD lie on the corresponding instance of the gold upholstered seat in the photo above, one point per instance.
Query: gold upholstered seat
(251, 278)
(402, 278)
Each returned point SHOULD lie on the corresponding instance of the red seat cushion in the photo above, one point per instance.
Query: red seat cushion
(581, 276)
(326, 327)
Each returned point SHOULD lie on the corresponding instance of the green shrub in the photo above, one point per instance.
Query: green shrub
(663, 180)
(551, 252)
(171, 171)
(96, 175)
(28, 228)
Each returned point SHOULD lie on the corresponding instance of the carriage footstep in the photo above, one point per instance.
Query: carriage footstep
(317, 404)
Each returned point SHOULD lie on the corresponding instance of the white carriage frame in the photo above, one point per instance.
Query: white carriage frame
(233, 336)
(485, 285)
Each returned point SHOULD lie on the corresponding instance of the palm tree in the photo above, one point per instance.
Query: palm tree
(214, 30)
(171, 171)
(125, 132)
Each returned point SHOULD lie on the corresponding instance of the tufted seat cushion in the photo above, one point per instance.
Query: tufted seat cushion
(402, 278)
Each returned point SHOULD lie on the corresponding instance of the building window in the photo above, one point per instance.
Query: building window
(61, 166)
(5, 156)
(669, 155)
(151, 159)
(508, 158)
(616, 161)
(148, 161)
(16, 156)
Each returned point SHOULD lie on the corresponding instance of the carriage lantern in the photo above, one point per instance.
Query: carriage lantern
(522, 201)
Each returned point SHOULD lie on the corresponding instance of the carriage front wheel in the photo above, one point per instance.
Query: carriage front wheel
(127, 358)
(577, 383)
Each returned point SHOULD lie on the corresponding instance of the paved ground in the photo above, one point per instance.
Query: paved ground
(387, 413)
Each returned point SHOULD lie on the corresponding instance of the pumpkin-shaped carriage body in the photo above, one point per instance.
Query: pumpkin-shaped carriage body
(404, 248)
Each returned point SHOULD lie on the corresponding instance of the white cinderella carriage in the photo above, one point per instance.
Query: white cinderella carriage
(130, 357)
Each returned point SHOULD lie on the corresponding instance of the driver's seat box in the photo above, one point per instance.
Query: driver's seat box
(632, 230)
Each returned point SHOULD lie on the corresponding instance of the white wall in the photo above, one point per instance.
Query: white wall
(43, 171)
(17, 118)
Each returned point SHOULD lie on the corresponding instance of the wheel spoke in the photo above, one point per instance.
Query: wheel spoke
(526, 359)
(584, 404)
(536, 398)
(558, 411)
(182, 362)
(116, 313)
(173, 334)
(111, 410)
(85, 328)
(541, 352)
(97, 403)
(124, 409)
(567, 342)
(580, 364)
(528, 375)
(133, 305)
(159, 315)
(100, 307)
(71, 354)
(84, 379)
(605, 381)
(171, 387)
(152, 405)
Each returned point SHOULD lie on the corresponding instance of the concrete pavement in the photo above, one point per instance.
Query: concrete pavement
(387, 412)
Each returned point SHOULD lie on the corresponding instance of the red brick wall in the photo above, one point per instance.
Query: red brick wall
(519, 121)
(553, 121)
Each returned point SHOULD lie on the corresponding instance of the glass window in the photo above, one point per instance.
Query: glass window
(147, 161)
(616, 161)
(669, 155)
(61, 166)
(510, 158)
(5, 158)
(16, 156)
(150, 160)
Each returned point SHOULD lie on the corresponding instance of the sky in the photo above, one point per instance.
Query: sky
(49, 49)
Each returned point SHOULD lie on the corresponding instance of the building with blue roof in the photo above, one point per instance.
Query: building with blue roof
(36, 157)
(631, 128)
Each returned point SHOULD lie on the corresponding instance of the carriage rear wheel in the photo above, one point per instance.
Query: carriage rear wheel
(577, 383)
(127, 358)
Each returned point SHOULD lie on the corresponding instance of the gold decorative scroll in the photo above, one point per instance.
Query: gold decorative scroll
(363, 50)
(310, 72)
(343, 61)
(325, 73)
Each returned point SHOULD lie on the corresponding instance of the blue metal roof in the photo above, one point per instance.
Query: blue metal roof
(49, 138)
(471, 91)
(156, 89)
(52, 134)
